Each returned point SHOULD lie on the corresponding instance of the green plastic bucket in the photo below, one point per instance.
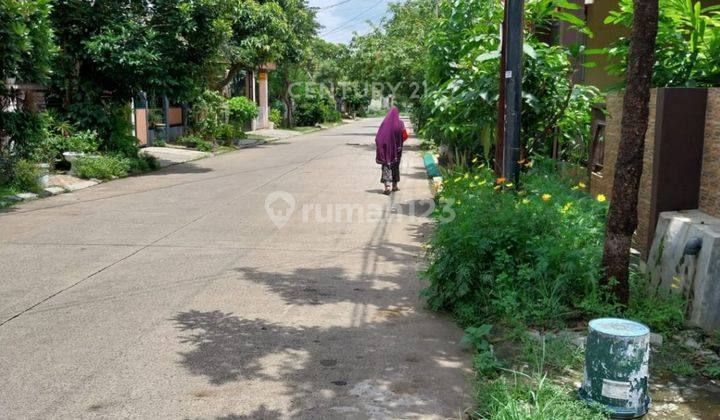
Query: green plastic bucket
(617, 356)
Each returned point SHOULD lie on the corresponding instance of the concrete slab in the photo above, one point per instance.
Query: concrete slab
(53, 191)
(26, 196)
(81, 185)
(685, 258)
(168, 156)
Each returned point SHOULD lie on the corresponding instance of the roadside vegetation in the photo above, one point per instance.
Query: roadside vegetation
(519, 267)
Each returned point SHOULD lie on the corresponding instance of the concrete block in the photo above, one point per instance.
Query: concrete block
(27, 196)
(53, 191)
(673, 269)
(81, 185)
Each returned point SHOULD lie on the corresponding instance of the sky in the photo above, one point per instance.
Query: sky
(341, 18)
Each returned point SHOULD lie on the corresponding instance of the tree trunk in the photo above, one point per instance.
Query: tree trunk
(287, 100)
(622, 217)
(232, 72)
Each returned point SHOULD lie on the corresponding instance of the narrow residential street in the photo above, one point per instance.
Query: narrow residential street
(175, 295)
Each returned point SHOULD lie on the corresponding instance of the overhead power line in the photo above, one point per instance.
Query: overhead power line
(344, 24)
(333, 5)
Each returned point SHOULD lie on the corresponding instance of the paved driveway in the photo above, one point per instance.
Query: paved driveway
(175, 295)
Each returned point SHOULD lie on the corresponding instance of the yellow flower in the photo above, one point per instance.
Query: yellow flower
(500, 180)
(546, 197)
(581, 184)
(601, 198)
(525, 201)
(566, 207)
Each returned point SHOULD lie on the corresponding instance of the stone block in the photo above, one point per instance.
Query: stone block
(673, 269)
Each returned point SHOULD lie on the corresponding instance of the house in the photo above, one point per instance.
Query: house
(151, 115)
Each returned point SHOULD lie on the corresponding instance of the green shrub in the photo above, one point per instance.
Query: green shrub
(687, 45)
(143, 163)
(527, 397)
(664, 313)
(204, 146)
(159, 143)
(276, 117)
(532, 256)
(189, 140)
(80, 142)
(102, 167)
(208, 113)
(242, 110)
(27, 131)
(308, 113)
(25, 176)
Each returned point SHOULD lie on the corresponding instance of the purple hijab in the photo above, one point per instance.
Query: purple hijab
(389, 138)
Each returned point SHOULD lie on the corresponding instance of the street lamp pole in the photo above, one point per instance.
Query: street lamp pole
(513, 88)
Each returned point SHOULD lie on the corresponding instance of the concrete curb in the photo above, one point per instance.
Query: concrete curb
(436, 179)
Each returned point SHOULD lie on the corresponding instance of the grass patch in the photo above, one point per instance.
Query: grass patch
(307, 129)
(7, 189)
(521, 396)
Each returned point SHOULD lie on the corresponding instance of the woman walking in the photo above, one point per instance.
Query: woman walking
(389, 144)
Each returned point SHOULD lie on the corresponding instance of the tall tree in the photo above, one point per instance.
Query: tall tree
(622, 217)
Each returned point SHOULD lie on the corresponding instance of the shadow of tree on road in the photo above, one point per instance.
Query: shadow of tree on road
(321, 369)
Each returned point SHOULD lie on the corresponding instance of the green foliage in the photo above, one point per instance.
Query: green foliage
(26, 40)
(555, 352)
(80, 142)
(26, 131)
(25, 176)
(662, 312)
(189, 140)
(531, 256)
(459, 108)
(682, 367)
(712, 370)
(159, 143)
(102, 167)
(394, 54)
(529, 397)
(208, 114)
(687, 50)
(315, 105)
(204, 146)
(107, 167)
(477, 337)
(275, 117)
(195, 142)
(241, 111)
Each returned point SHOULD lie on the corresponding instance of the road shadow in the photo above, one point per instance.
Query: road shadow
(376, 369)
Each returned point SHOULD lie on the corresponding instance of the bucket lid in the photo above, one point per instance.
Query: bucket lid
(619, 327)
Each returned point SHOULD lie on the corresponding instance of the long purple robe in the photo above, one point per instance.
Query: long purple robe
(389, 138)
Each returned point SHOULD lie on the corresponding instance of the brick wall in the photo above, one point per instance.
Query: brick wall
(645, 193)
(709, 198)
(602, 183)
(710, 178)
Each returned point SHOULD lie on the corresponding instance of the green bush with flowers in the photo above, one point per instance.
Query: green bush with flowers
(529, 255)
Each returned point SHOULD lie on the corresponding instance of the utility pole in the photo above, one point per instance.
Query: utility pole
(500, 128)
(513, 88)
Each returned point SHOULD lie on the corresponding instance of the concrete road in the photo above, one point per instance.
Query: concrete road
(175, 295)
